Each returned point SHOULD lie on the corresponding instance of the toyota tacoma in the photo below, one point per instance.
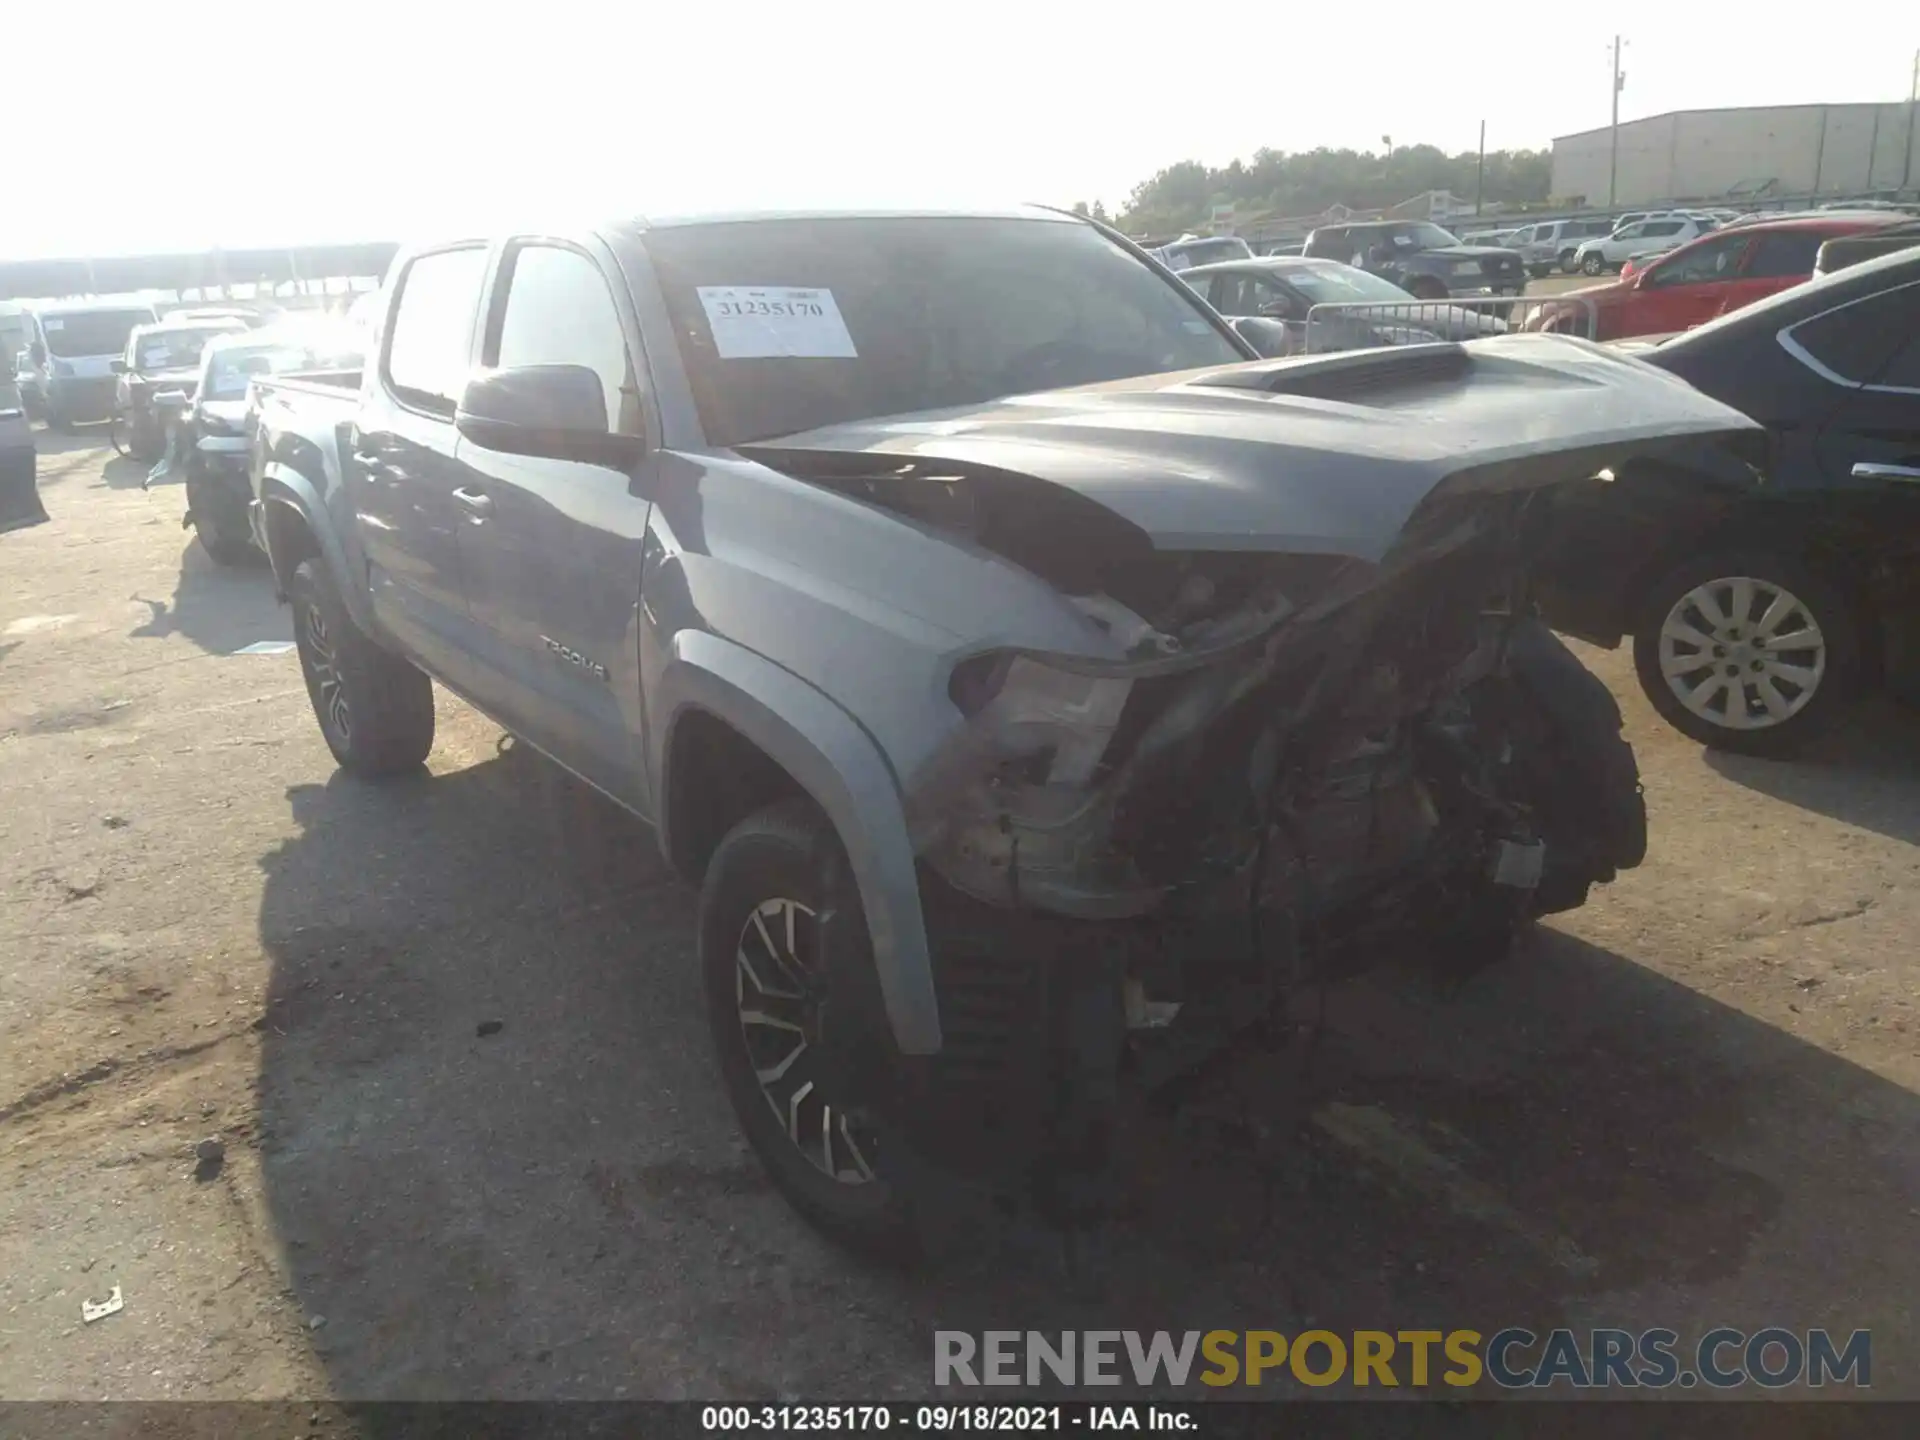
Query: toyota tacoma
(1039, 686)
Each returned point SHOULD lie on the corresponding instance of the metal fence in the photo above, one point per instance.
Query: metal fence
(1360, 325)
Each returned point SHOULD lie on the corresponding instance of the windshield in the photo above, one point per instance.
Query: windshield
(174, 349)
(1343, 285)
(91, 332)
(789, 325)
(1432, 237)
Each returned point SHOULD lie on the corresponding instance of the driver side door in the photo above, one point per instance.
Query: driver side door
(1687, 289)
(551, 558)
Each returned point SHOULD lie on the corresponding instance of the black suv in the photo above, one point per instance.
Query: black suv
(1427, 262)
(1755, 608)
(1844, 250)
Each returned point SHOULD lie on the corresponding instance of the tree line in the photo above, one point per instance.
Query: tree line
(1184, 195)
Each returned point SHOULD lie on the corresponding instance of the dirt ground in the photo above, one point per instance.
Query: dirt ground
(1691, 1103)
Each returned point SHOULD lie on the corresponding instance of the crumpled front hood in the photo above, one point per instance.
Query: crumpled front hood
(1326, 455)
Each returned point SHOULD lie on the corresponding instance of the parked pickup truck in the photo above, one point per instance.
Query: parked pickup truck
(1039, 686)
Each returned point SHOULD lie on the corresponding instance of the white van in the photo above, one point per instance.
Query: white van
(71, 347)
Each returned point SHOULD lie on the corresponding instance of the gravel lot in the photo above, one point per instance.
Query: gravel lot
(1691, 1103)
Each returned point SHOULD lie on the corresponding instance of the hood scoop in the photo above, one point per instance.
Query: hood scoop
(1349, 374)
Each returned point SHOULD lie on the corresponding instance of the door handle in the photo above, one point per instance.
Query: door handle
(475, 500)
(1875, 470)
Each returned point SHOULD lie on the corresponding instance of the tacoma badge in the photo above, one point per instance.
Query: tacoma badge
(574, 657)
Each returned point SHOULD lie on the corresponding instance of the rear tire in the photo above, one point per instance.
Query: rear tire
(770, 872)
(1742, 671)
(375, 710)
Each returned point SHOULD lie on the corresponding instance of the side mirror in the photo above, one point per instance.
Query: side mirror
(551, 412)
(1269, 338)
(119, 367)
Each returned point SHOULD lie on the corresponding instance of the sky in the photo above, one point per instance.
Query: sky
(138, 127)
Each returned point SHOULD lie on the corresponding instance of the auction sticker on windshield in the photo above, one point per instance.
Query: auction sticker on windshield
(764, 322)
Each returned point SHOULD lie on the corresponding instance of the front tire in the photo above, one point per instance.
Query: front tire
(1750, 651)
(1592, 264)
(1569, 262)
(223, 534)
(1581, 775)
(774, 1008)
(1426, 288)
(375, 710)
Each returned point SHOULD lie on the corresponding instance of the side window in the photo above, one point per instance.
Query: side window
(558, 311)
(1263, 297)
(432, 325)
(1904, 372)
(1207, 286)
(1855, 342)
(1708, 261)
(1784, 253)
(1630, 232)
(1657, 228)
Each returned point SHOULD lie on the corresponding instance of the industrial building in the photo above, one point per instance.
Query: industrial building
(1755, 150)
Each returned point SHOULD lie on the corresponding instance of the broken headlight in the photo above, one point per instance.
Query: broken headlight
(1019, 707)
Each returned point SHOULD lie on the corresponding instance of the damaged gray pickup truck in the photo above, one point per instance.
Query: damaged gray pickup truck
(1040, 687)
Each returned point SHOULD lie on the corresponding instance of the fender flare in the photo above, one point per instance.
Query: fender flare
(841, 767)
(283, 484)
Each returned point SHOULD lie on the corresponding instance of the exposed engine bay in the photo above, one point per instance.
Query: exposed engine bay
(1281, 721)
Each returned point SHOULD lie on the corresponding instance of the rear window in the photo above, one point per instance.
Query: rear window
(174, 349)
(789, 325)
(1856, 341)
(1782, 253)
(91, 332)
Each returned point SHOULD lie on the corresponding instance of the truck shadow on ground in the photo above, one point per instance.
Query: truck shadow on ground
(1866, 772)
(500, 1162)
(219, 608)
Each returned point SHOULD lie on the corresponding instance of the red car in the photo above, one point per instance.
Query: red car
(1721, 271)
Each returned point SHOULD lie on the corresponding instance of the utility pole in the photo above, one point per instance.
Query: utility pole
(1913, 107)
(1613, 156)
(1480, 170)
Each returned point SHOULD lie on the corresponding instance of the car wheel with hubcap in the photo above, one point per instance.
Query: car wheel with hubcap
(780, 1017)
(375, 710)
(1749, 651)
(1591, 263)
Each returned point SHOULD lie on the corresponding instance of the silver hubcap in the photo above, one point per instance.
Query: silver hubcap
(778, 991)
(324, 673)
(1742, 652)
